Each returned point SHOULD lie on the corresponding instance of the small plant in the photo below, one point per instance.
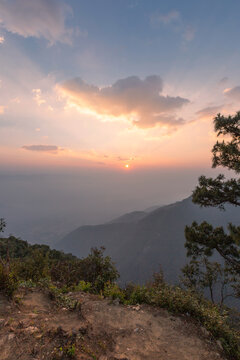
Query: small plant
(113, 291)
(137, 294)
(8, 280)
(83, 286)
(70, 351)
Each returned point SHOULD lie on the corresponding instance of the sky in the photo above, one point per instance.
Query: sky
(114, 83)
(123, 87)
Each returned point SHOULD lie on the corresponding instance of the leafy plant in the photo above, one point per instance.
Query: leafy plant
(83, 286)
(8, 281)
(113, 291)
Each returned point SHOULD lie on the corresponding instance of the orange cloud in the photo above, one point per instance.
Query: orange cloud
(140, 101)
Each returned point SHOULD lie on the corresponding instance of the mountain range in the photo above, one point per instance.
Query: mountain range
(141, 242)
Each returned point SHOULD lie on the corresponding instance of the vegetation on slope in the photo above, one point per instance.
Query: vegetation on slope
(24, 264)
(59, 274)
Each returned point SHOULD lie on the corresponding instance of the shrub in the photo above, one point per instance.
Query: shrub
(112, 290)
(98, 269)
(83, 286)
(32, 268)
(137, 294)
(95, 269)
(8, 281)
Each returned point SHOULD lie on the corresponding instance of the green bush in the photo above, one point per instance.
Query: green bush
(8, 281)
(83, 286)
(112, 290)
(32, 268)
(96, 269)
(138, 295)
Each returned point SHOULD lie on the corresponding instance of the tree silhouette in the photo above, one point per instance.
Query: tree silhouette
(203, 239)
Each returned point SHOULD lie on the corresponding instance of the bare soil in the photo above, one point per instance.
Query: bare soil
(38, 329)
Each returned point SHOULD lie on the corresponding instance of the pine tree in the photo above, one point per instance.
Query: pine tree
(204, 239)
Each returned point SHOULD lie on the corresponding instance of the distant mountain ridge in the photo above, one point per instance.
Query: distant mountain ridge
(133, 216)
(140, 242)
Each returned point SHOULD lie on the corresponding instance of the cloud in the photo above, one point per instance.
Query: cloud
(140, 101)
(189, 33)
(209, 112)
(38, 97)
(42, 148)
(36, 18)
(2, 109)
(174, 21)
(165, 19)
(2, 40)
(233, 93)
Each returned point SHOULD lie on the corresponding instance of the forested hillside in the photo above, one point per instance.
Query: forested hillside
(141, 243)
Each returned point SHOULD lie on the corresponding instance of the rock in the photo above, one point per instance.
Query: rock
(33, 315)
(205, 331)
(116, 301)
(137, 307)
(219, 344)
(31, 329)
(11, 336)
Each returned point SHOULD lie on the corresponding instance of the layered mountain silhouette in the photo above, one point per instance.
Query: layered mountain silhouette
(140, 242)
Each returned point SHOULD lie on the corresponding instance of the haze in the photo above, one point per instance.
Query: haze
(107, 106)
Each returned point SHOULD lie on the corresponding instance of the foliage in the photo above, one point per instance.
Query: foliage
(19, 249)
(138, 295)
(202, 274)
(32, 268)
(217, 192)
(8, 281)
(98, 269)
(32, 263)
(57, 274)
(70, 351)
(83, 286)
(203, 240)
(95, 269)
(113, 291)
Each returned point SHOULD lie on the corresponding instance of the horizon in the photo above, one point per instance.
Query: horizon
(74, 99)
(120, 97)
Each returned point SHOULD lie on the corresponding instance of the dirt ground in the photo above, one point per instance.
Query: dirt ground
(37, 329)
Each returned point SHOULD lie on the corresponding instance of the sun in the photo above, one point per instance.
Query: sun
(126, 166)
